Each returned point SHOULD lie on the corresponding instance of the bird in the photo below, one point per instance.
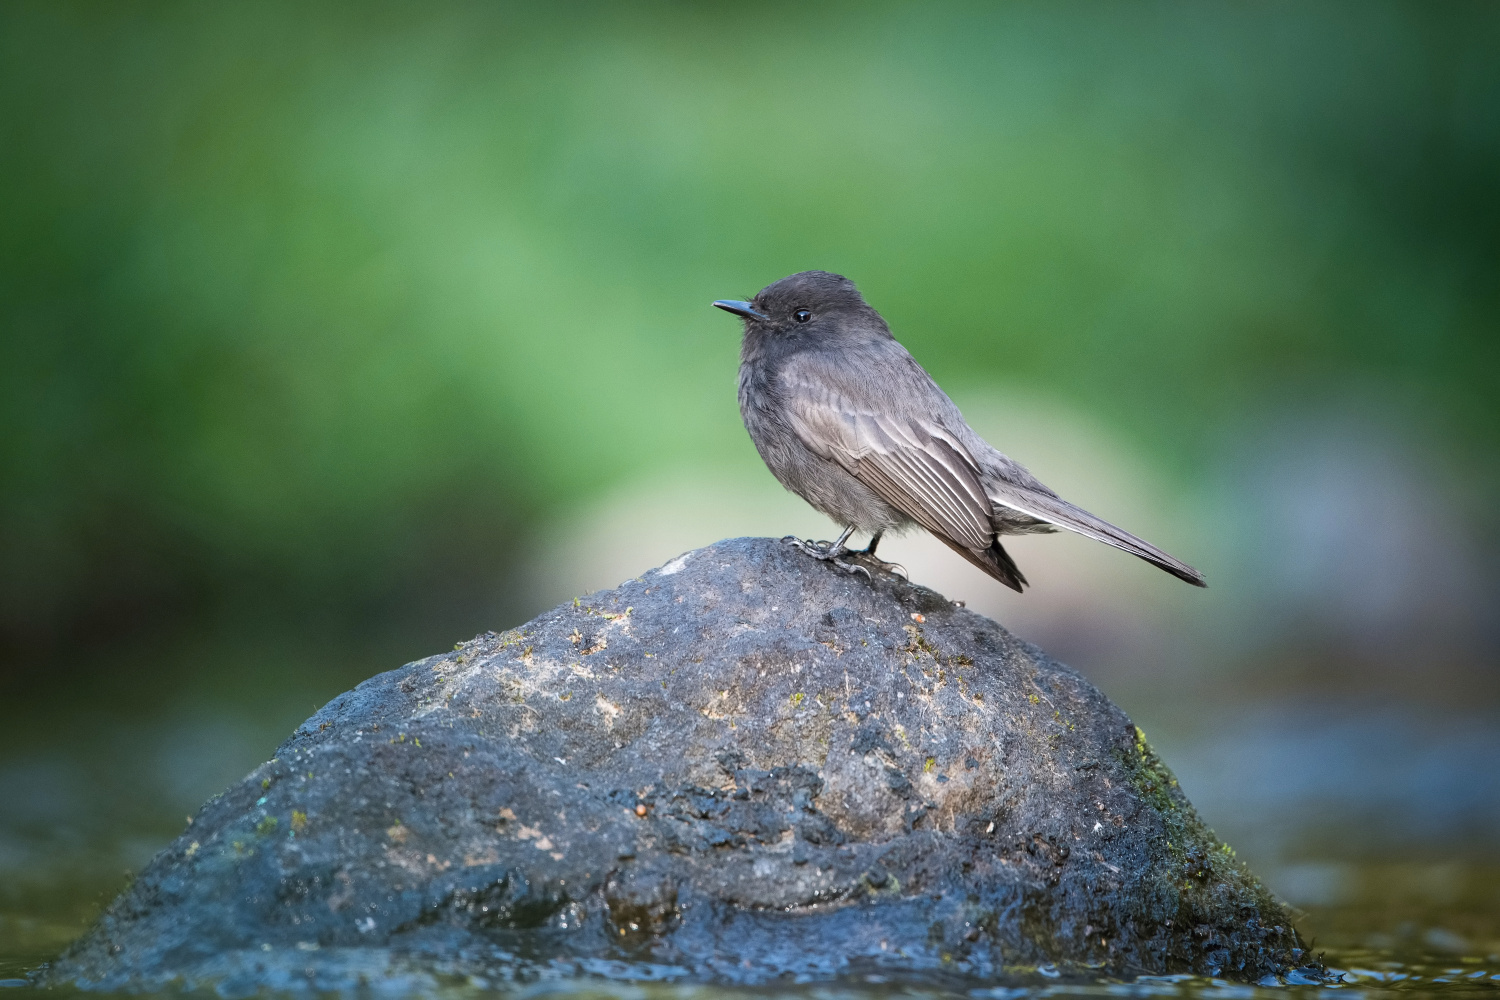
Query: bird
(846, 418)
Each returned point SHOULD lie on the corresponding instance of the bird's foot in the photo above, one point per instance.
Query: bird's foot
(829, 552)
(825, 550)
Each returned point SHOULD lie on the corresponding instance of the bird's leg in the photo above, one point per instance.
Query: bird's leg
(828, 551)
(869, 550)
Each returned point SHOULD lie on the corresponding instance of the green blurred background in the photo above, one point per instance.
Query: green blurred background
(332, 334)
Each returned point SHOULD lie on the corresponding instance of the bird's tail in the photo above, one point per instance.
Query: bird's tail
(994, 560)
(1055, 510)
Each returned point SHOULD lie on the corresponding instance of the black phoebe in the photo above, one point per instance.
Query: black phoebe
(847, 419)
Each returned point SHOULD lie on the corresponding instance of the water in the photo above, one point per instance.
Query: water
(1391, 946)
(1377, 820)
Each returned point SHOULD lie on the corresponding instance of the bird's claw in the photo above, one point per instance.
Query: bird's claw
(852, 568)
(824, 551)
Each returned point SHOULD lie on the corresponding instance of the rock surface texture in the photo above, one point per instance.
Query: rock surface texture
(743, 766)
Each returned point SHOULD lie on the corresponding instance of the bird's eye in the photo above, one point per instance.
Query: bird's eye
(802, 315)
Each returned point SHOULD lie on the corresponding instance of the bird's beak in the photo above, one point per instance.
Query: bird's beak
(744, 309)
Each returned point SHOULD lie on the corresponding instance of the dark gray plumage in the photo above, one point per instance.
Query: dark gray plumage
(847, 419)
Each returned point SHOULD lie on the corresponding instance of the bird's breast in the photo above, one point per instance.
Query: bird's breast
(825, 485)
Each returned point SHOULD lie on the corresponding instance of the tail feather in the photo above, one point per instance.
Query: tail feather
(994, 560)
(1055, 510)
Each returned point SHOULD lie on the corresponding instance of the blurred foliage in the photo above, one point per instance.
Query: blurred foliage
(322, 306)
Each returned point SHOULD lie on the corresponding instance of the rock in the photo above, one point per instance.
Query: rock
(742, 766)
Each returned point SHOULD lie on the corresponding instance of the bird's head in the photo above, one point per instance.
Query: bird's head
(810, 305)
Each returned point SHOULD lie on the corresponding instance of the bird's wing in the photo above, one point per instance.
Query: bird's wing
(909, 456)
(915, 465)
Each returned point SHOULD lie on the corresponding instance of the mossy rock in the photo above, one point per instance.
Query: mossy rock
(742, 766)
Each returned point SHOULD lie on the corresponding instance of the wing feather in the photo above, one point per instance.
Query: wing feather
(915, 466)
